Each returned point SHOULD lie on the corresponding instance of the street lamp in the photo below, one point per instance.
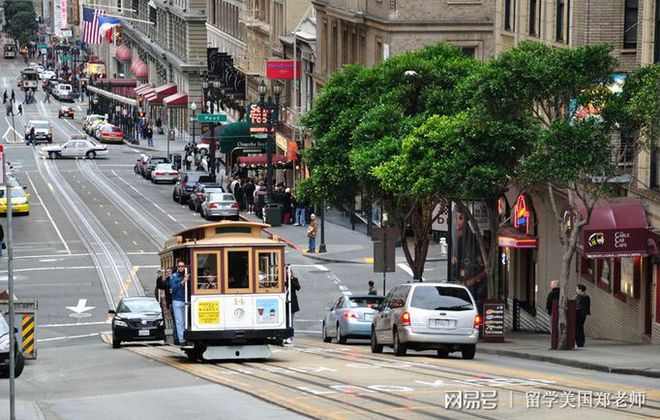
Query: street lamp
(193, 108)
(271, 108)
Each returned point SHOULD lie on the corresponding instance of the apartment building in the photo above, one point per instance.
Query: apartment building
(623, 285)
(369, 31)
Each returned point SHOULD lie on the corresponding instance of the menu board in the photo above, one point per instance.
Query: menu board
(493, 321)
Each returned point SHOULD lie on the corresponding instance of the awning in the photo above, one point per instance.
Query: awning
(178, 99)
(616, 229)
(113, 96)
(166, 89)
(237, 135)
(510, 237)
(142, 88)
(153, 99)
(260, 161)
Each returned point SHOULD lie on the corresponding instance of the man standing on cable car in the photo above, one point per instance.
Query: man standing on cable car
(177, 285)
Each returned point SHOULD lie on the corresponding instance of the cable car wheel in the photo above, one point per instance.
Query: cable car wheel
(196, 353)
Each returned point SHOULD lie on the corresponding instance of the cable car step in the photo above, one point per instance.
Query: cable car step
(237, 352)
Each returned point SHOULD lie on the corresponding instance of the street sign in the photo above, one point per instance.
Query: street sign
(260, 136)
(211, 118)
(66, 58)
(42, 46)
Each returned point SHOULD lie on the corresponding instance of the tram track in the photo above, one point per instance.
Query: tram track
(290, 379)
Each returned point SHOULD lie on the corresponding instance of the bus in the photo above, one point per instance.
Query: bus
(9, 51)
(237, 298)
(30, 79)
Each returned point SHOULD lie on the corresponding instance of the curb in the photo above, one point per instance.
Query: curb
(138, 146)
(571, 363)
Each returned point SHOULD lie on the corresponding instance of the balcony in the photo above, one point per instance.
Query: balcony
(250, 15)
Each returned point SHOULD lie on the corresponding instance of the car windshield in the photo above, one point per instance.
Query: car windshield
(4, 328)
(364, 301)
(211, 190)
(164, 167)
(157, 160)
(193, 177)
(15, 193)
(42, 125)
(441, 298)
(139, 305)
(217, 197)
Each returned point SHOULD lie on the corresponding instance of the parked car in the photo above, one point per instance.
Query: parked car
(151, 164)
(66, 111)
(4, 352)
(187, 183)
(140, 164)
(52, 85)
(219, 205)
(427, 316)
(164, 172)
(63, 92)
(137, 319)
(109, 133)
(198, 195)
(77, 147)
(91, 119)
(43, 131)
(20, 201)
(349, 317)
(46, 75)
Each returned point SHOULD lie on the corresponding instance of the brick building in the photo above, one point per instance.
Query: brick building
(623, 285)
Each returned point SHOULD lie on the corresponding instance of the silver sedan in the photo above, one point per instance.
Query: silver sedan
(164, 172)
(349, 316)
(219, 205)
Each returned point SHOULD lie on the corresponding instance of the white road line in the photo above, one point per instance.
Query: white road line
(317, 266)
(67, 337)
(146, 198)
(50, 255)
(22, 270)
(141, 253)
(405, 268)
(75, 324)
(59, 234)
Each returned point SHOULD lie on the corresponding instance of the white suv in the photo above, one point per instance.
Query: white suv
(427, 316)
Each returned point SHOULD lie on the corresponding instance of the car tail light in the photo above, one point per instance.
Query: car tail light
(213, 206)
(405, 318)
(349, 314)
(158, 173)
(174, 173)
(234, 205)
(477, 321)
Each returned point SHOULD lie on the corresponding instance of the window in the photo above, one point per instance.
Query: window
(441, 298)
(626, 285)
(269, 271)
(206, 273)
(630, 24)
(562, 20)
(508, 15)
(534, 17)
(587, 268)
(605, 274)
(237, 270)
(469, 51)
(379, 51)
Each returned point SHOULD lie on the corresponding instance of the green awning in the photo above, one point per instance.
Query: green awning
(237, 135)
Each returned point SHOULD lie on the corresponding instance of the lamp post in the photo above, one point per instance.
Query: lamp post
(271, 108)
(193, 108)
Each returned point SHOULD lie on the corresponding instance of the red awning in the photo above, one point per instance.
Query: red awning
(616, 229)
(510, 237)
(166, 89)
(142, 89)
(178, 99)
(260, 160)
(153, 99)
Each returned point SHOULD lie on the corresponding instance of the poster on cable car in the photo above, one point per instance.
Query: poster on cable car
(237, 312)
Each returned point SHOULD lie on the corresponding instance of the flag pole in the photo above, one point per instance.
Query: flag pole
(129, 19)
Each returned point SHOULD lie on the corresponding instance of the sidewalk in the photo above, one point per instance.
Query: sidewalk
(343, 245)
(600, 355)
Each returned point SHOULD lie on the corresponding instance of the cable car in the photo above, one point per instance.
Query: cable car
(236, 299)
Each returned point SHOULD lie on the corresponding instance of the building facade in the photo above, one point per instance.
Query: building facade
(623, 285)
(369, 31)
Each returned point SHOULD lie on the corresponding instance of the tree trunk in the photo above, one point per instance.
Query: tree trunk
(419, 218)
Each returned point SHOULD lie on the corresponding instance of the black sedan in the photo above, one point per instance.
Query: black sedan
(4, 352)
(137, 319)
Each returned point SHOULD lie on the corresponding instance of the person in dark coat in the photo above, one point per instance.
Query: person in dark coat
(162, 283)
(2, 239)
(552, 296)
(582, 309)
(294, 287)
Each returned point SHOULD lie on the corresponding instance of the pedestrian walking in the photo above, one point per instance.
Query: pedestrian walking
(552, 296)
(4, 97)
(238, 195)
(20, 109)
(32, 137)
(372, 288)
(294, 288)
(311, 233)
(178, 282)
(149, 134)
(189, 160)
(10, 109)
(47, 97)
(287, 206)
(582, 309)
(162, 290)
(260, 199)
(13, 95)
(248, 193)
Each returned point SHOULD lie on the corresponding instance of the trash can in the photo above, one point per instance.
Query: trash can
(273, 214)
(176, 160)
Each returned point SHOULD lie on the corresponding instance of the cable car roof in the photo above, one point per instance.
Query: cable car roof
(224, 232)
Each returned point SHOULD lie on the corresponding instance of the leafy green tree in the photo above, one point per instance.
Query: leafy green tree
(359, 120)
(21, 20)
(569, 155)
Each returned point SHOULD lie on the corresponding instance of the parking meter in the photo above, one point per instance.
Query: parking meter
(170, 135)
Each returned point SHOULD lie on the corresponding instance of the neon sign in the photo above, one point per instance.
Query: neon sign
(521, 214)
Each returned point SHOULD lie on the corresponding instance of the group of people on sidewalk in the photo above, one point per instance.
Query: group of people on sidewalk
(145, 129)
(582, 308)
(9, 103)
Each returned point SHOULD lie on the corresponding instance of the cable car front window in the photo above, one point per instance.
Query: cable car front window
(207, 272)
(238, 264)
(269, 270)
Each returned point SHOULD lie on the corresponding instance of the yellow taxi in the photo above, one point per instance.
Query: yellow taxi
(19, 199)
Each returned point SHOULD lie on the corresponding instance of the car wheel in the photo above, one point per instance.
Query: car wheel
(174, 197)
(375, 347)
(190, 204)
(341, 339)
(116, 343)
(443, 353)
(469, 351)
(399, 348)
(91, 154)
(324, 335)
(20, 364)
(182, 200)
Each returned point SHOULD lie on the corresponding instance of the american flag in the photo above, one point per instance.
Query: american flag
(89, 32)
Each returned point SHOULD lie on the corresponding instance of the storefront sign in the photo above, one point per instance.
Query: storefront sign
(615, 243)
(258, 119)
(521, 214)
(282, 69)
(493, 321)
(95, 68)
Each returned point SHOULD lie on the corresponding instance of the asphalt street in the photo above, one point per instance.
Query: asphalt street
(93, 233)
